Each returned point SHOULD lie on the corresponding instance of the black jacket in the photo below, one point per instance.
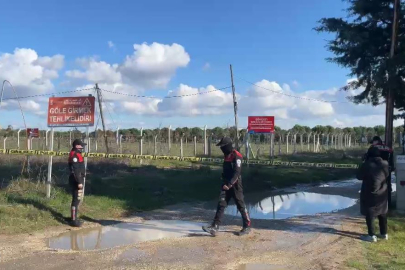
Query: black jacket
(374, 195)
(76, 166)
(232, 168)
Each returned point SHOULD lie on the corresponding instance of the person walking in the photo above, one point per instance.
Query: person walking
(374, 196)
(231, 187)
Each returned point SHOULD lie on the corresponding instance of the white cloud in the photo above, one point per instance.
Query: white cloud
(28, 72)
(212, 103)
(149, 67)
(96, 72)
(153, 66)
(26, 105)
(266, 98)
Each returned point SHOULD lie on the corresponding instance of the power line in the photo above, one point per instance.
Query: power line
(166, 97)
(50, 94)
(293, 96)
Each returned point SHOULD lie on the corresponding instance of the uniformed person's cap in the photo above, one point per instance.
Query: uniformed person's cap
(78, 142)
(224, 141)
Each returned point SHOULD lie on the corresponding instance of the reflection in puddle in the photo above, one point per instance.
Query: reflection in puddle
(295, 204)
(122, 234)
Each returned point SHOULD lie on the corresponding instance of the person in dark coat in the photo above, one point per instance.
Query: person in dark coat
(374, 197)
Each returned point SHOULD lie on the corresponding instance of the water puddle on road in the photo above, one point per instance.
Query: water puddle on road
(121, 234)
(292, 205)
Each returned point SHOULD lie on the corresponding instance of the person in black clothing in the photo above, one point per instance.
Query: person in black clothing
(231, 187)
(386, 154)
(374, 196)
(76, 179)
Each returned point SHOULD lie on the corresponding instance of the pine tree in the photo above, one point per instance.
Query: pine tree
(362, 43)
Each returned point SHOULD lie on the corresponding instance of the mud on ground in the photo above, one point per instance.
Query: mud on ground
(324, 241)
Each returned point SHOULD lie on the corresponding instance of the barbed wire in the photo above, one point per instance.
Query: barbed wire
(51, 94)
(290, 95)
(166, 97)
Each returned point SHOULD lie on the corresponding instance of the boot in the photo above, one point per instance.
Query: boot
(75, 222)
(244, 231)
(212, 229)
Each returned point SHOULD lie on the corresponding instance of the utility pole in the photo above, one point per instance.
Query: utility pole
(389, 113)
(235, 108)
(100, 104)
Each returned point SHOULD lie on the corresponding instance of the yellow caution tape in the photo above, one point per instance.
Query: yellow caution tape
(188, 159)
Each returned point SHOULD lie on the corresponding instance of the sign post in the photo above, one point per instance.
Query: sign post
(49, 180)
(260, 125)
(69, 112)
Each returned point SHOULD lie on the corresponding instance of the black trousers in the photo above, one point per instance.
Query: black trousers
(75, 197)
(382, 220)
(236, 192)
(389, 190)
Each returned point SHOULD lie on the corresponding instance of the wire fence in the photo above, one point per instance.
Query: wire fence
(268, 146)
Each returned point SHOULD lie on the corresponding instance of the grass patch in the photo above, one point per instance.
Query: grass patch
(385, 254)
(117, 188)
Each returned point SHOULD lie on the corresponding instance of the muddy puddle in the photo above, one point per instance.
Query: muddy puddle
(121, 234)
(291, 205)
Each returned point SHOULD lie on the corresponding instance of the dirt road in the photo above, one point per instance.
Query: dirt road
(323, 241)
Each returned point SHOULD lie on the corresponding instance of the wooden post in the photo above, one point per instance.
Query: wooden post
(100, 104)
(235, 108)
(195, 146)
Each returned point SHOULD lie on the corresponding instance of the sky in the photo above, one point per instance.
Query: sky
(171, 48)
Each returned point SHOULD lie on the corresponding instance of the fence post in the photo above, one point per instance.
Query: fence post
(314, 142)
(205, 140)
(96, 141)
(4, 142)
(209, 146)
(302, 146)
(168, 138)
(195, 146)
(48, 182)
(309, 140)
(286, 141)
(295, 143)
(121, 143)
(271, 145)
(117, 137)
(181, 146)
(141, 143)
(155, 146)
(279, 144)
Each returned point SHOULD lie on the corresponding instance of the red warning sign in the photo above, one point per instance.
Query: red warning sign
(71, 111)
(33, 132)
(260, 124)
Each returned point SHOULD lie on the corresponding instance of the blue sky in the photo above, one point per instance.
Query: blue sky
(265, 41)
